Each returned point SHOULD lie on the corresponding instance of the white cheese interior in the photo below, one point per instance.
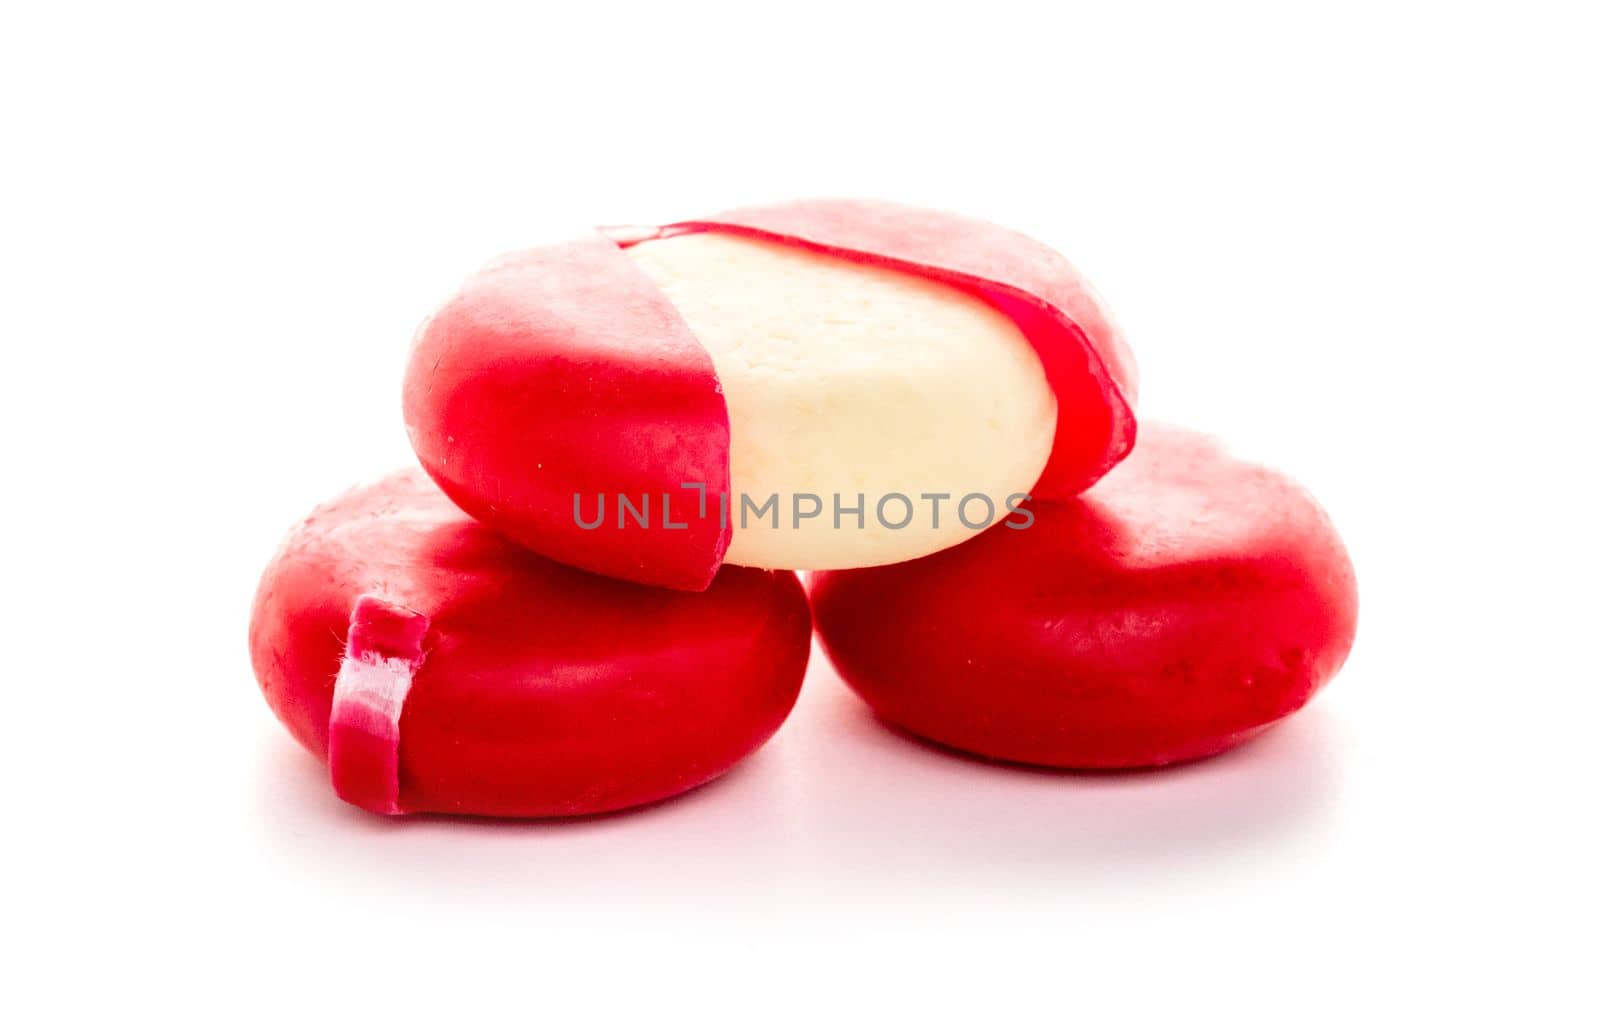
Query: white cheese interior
(849, 379)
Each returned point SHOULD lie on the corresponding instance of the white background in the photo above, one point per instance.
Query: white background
(1360, 244)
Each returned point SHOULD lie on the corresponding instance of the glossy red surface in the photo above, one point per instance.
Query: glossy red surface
(563, 370)
(542, 690)
(1185, 603)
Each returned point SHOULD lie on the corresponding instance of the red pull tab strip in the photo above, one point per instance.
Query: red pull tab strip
(382, 655)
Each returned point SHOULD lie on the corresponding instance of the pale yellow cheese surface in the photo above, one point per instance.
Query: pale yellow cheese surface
(858, 381)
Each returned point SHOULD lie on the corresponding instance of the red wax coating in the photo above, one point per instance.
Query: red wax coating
(1184, 604)
(539, 690)
(381, 657)
(563, 370)
(386, 630)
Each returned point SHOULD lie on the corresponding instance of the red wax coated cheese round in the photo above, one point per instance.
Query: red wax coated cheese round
(1184, 604)
(565, 379)
(439, 668)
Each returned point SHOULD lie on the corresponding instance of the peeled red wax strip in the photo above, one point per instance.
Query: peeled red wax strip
(1180, 607)
(381, 658)
(898, 350)
(438, 668)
